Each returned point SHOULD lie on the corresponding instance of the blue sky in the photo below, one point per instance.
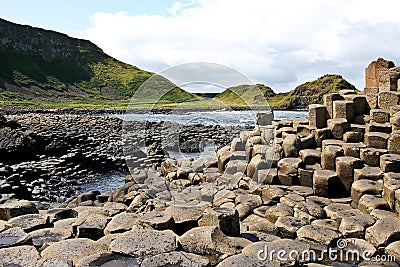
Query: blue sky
(278, 43)
(72, 16)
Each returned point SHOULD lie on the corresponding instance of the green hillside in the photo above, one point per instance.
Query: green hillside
(311, 92)
(245, 95)
(39, 65)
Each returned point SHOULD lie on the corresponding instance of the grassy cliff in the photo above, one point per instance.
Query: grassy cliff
(245, 95)
(38, 65)
(311, 92)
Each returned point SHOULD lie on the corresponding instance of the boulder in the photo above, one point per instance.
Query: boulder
(264, 118)
(16, 208)
(318, 234)
(246, 203)
(19, 256)
(378, 127)
(121, 223)
(317, 115)
(279, 210)
(91, 226)
(30, 222)
(363, 187)
(321, 135)
(155, 219)
(345, 169)
(333, 209)
(368, 203)
(144, 242)
(108, 259)
(14, 237)
(72, 249)
(45, 236)
(394, 143)
(390, 163)
(379, 115)
(371, 156)
(388, 80)
(328, 103)
(338, 126)
(288, 226)
(343, 109)
(372, 72)
(325, 183)
(376, 140)
(223, 156)
(327, 223)
(175, 258)
(353, 137)
(291, 145)
(288, 170)
(227, 220)
(237, 145)
(245, 259)
(354, 226)
(329, 155)
(388, 99)
(393, 249)
(257, 223)
(255, 164)
(389, 189)
(259, 249)
(353, 149)
(310, 156)
(206, 240)
(383, 232)
(368, 173)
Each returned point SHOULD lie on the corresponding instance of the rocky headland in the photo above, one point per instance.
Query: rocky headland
(306, 187)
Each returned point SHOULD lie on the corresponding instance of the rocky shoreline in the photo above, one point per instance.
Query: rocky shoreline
(321, 191)
(46, 156)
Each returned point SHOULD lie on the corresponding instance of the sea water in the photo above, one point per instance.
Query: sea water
(108, 183)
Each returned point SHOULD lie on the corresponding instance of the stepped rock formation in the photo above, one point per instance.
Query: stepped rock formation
(331, 181)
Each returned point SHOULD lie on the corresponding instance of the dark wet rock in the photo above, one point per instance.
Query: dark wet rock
(17, 145)
(14, 237)
(108, 259)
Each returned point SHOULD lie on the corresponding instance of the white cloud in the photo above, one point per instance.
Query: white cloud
(278, 43)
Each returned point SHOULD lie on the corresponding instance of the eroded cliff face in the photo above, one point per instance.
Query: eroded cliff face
(49, 45)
